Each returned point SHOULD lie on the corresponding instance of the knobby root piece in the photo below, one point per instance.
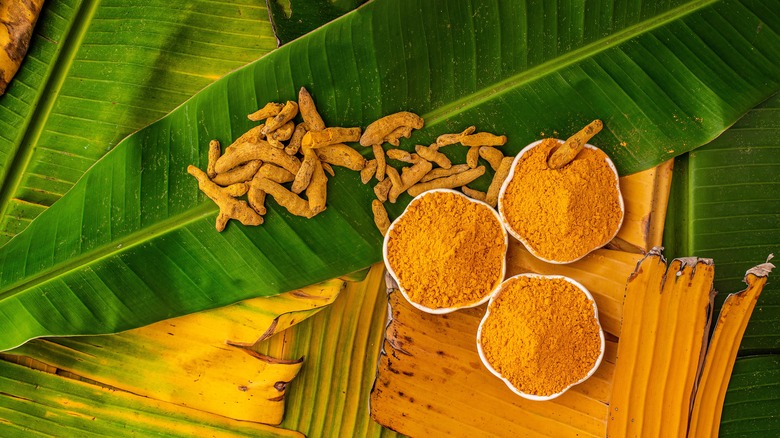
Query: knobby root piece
(368, 171)
(431, 153)
(256, 196)
(276, 144)
(270, 109)
(239, 174)
(341, 155)
(394, 137)
(275, 173)
(474, 194)
(327, 168)
(498, 180)
(382, 189)
(380, 216)
(449, 182)
(303, 177)
(483, 139)
(17, 20)
(295, 141)
(238, 189)
(285, 198)
(330, 136)
(413, 174)
(229, 207)
(215, 151)
(254, 135)
(566, 152)
(287, 113)
(492, 156)
(381, 163)
(441, 173)
(448, 139)
(472, 157)
(380, 130)
(261, 150)
(409, 177)
(309, 112)
(397, 186)
(317, 192)
(400, 155)
(284, 132)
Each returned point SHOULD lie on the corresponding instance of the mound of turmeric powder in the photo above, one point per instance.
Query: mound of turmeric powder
(541, 334)
(565, 213)
(447, 250)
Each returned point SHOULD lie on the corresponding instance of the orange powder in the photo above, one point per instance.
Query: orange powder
(447, 250)
(541, 334)
(563, 214)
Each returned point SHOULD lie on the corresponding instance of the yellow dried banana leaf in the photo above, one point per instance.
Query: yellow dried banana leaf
(329, 398)
(666, 319)
(645, 195)
(37, 403)
(719, 362)
(431, 382)
(188, 360)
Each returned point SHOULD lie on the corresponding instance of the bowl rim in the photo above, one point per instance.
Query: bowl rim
(445, 310)
(506, 381)
(522, 240)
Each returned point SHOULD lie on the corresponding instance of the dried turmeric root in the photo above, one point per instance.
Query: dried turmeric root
(309, 112)
(17, 20)
(368, 171)
(239, 174)
(441, 173)
(390, 127)
(431, 153)
(483, 139)
(380, 216)
(288, 112)
(492, 156)
(260, 150)
(449, 182)
(271, 109)
(473, 194)
(215, 151)
(330, 136)
(287, 199)
(341, 155)
(229, 207)
(448, 139)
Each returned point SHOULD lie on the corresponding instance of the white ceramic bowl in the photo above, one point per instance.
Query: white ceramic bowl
(444, 310)
(505, 380)
(525, 243)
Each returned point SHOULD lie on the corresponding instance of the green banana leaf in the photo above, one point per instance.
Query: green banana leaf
(725, 204)
(753, 398)
(133, 241)
(97, 71)
(294, 18)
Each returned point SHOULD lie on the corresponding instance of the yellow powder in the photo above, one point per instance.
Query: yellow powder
(447, 250)
(541, 334)
(563, 214)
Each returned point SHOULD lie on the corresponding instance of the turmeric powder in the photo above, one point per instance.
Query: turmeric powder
(447, 251)
(541, 334)
(561, 215)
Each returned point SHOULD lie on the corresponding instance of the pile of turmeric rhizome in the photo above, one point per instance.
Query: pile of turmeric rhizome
(448, 249)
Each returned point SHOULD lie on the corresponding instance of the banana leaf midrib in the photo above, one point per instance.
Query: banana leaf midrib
(562, 61)
(12, 174)
(117, 246)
